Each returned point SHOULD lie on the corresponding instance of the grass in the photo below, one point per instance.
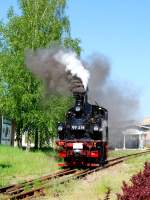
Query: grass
(96, 185)
(18, 165)
(118, 153)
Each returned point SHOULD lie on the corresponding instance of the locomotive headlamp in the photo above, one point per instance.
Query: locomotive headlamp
(77, 108)
(101, 129)
(96, 128)
(60, 128)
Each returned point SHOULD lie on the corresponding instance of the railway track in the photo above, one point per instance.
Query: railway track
(30, 187)
(37, 186)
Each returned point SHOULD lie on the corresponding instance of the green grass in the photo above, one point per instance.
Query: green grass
(17, 165)
(96, 185)
(118, 153)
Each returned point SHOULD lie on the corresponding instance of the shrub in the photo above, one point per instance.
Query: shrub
(139, 188)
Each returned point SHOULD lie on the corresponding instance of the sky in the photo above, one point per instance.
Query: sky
(120, 30)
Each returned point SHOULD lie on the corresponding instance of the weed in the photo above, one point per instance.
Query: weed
(37, 183)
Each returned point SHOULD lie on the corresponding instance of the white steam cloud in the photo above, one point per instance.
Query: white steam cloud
(73, 65)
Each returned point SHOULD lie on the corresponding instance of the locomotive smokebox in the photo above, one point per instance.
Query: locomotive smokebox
(81, 96)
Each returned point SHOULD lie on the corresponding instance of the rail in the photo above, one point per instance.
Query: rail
(28, 189)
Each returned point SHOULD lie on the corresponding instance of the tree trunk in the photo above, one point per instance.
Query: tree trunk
(13, 132)
(41, 141)
(36, 141)
(19, 137)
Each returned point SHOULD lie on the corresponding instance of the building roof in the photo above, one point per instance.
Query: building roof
(145, 127)
(146, 121)
(133, 131)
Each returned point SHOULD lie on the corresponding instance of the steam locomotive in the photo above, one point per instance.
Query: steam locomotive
(83, 137)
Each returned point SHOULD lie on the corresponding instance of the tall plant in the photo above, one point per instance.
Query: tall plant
(42, 23)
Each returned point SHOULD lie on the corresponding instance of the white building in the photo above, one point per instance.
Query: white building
(146, 125)
(134, 138)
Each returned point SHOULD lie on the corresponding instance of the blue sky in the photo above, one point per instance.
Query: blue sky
(120, 30)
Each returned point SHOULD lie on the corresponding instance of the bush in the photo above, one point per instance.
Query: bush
(139, 188)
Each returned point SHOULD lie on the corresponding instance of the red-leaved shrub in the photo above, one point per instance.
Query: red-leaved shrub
(140, 187)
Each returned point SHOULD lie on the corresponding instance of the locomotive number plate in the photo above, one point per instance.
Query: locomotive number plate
(77, 145)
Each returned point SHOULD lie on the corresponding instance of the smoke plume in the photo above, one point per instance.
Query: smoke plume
(60, 70)
(122, 102)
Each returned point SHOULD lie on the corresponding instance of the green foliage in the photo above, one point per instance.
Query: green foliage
(41, 24)
(68, 42)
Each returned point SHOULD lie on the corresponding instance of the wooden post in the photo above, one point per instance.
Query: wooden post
(124, 142)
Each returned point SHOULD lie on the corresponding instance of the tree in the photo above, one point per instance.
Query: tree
(41, 24)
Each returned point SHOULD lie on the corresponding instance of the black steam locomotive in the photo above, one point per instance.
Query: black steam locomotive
(83, 137)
